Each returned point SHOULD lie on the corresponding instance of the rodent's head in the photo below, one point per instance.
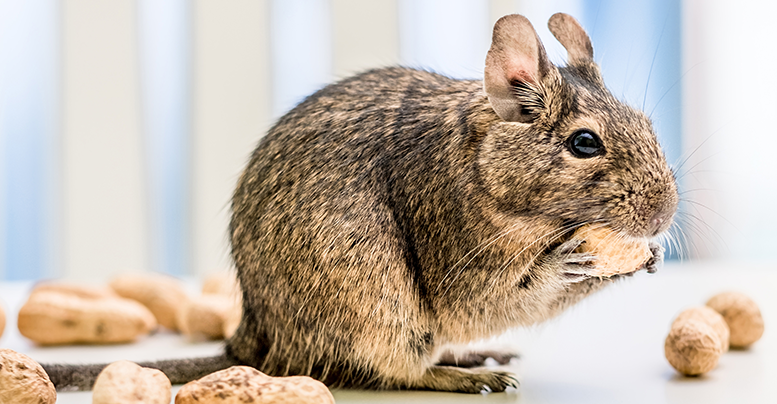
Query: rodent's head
(566, 148)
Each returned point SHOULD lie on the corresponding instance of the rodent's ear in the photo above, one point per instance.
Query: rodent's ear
(515, 66)
(573, 37)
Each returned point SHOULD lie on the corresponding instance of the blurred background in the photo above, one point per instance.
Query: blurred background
(124, 125)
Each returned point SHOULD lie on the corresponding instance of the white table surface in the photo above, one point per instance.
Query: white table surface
(607, 349)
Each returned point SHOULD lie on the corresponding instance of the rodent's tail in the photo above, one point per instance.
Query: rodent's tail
(179, 371)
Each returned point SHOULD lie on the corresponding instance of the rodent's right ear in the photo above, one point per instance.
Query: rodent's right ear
(572, 35)
(515, 66)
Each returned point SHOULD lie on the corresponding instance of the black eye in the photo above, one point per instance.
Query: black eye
(584, 144)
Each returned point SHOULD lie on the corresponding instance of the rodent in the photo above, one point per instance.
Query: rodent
(399, 212)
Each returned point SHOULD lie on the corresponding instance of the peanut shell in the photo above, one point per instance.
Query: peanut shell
(162, 294)
(221, 283)
(709, 316)
(23, 381)
(204, 317)
(244, 384)
(742, 316)
(85, 291)
(53, 318)
(614, 253)
(225, 283)
(692, 347)
(125, 382)
(234, 317)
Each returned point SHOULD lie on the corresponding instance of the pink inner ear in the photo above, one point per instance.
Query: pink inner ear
(522, 67)
(521, 75)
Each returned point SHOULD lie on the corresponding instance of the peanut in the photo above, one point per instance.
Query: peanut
(244, 384)
(124, 382)
(23, 381)
(162, 294)
(51, 317)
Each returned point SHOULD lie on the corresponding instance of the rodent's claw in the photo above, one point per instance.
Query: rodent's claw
(657, 260)
(569, 246)
(474, 358)
(447, 378)
(574, 267)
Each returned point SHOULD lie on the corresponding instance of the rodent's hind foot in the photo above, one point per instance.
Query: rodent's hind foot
(657, 260)
(453, 379)
(473, 359)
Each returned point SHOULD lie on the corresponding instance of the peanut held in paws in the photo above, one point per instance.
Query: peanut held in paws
(23, 381)
(742, 316)
(614, 253)
(244, 384)
(692, 347)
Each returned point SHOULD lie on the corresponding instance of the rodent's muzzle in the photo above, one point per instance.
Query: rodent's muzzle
(663, 215)
(660, 221)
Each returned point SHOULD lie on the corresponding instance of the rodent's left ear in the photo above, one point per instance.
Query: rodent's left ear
(573, 37)
(515, 67)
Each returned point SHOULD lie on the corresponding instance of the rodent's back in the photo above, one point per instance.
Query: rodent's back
(403, 136)
(365, 172)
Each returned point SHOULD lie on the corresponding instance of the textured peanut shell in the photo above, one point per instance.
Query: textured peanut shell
(163, 295)
(692, 347)
(23, 381)
(225, 283)
(124, 382)
(85, 291)
(742, 316)
(615, 254)
(232, 322)
(244, 384)
(204, 317)
(711, 318)
(221, 283)
(54, 318)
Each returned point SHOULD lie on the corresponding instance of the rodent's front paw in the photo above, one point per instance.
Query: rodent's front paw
(573, 266)
(657, 260)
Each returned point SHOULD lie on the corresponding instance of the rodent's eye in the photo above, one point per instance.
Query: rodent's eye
(584, 144)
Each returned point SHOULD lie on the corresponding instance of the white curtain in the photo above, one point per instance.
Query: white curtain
(729, 104)
(162, 102)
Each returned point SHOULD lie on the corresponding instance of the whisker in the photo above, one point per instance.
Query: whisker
(655, 55)
(676, 82)
(485, 244)
(696, 149)
(701, 205)
(552, 232)
(698, 163)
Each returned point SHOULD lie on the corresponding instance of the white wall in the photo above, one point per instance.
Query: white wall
(729, 108)
(249, 61)
(105, 222)
(232, 109)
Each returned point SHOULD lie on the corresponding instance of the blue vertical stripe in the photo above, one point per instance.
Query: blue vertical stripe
(28, 131)
(165, 32)
(638, 45)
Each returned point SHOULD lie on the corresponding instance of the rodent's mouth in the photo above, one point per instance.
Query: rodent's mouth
(623, 233)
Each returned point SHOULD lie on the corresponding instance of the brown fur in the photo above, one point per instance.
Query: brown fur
(399, 212)
(394, 213)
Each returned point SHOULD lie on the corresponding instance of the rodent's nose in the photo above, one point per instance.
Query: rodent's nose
(660, 221)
